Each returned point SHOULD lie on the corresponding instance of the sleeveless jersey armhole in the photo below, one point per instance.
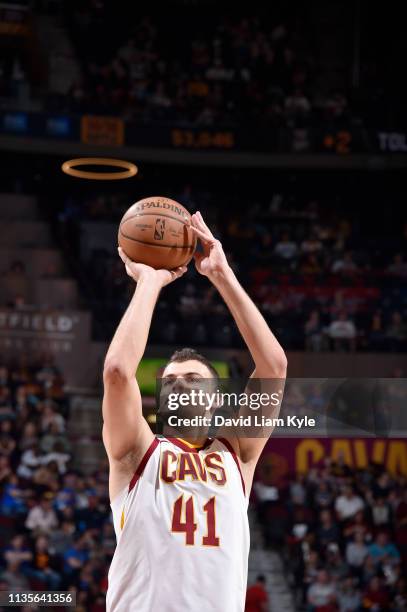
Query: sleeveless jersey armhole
(119, 502)
(236, 460)
(143, 463)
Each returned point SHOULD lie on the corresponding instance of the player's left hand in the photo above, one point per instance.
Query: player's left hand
(138, 271)
(212, 261)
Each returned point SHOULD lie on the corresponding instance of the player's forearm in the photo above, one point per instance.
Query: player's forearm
(129, 342)
(267, 353)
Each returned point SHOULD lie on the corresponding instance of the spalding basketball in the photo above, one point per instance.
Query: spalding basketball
(155, 232)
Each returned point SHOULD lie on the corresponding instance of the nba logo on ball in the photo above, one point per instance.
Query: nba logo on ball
(159, 229)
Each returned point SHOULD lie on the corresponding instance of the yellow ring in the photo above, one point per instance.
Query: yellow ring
(69, 167)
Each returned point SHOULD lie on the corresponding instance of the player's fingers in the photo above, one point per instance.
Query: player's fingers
(180, 270)
(203, 225)
(122, 255)
(203, 235)
(193, 221)
(199, 223)
(196, 220)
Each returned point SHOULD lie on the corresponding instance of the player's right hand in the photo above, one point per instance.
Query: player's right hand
(138, 271)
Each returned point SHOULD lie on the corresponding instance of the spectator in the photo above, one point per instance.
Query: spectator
(51, 419)
(298, 492)
(42, 518)
(383, 485)
(256, 597)
(12, 500)
(399, 267)
(286, 249)
(313, 332)
(62, 538)
(328, 530)
(348, 504)
(322, 593)
(375, 596)
(13, 577)
(29, 439)
(42, 563)
(297, 105)
(396, 332)
(349, 597)
(76, 556)
(344, 265)
(53, 437)
(356, 552)
(357, 524)
(31, 459)
(323, 496)
(311, 245)
(383, 550)
(311, 265)
(343, 333)
(7, 445)
(58, 456)
(5, 469)
(18, 553)
(335, 564)
(381, 513)
(312, 566)
(376, 333)
(189, 304)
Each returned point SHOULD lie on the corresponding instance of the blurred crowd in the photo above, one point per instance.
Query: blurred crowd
(324, 278)
(225, 70)
(221, 71)
(293, 65)
(53, 518)
(343, 533)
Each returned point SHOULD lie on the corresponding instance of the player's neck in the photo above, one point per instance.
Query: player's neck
(194, 441)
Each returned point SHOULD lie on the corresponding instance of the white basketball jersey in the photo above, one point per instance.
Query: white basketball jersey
(182, 532)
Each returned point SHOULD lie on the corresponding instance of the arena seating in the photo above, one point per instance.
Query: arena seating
(55, 527)
(342, 533)
(326, 281)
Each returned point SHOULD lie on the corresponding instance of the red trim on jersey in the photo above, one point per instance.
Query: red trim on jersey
(186, 447)
(233, 453)
(143, 463)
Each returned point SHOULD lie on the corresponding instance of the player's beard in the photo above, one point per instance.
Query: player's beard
(182, 412)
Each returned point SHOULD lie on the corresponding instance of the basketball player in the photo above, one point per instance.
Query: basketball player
(179, 507)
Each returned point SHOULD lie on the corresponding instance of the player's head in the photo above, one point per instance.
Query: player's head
(188, 371)
(187, 360)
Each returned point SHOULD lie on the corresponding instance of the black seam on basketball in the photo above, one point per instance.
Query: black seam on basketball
(153, 244)
(154, 214)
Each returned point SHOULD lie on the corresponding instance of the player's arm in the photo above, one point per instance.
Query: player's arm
(268, 356)
(126, 434)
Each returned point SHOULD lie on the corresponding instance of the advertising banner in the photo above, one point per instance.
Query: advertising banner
(284, 456)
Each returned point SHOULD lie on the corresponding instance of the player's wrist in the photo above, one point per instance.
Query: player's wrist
(222, 275)
(150, 278)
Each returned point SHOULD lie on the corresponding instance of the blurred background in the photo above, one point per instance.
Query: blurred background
(285, 126)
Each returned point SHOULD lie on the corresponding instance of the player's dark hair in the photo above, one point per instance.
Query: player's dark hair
(261, 578)
(185, 354)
